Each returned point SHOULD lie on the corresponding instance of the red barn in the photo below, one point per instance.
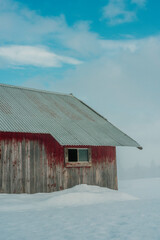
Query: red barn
(51, 141)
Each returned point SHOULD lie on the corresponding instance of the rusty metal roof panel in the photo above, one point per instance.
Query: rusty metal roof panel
(66, 118)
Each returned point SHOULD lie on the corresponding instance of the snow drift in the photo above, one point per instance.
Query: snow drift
(77, 196)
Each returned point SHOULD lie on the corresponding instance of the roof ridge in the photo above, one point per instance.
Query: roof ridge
(34, 89)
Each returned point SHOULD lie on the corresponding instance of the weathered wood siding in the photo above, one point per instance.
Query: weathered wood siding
(31, 163)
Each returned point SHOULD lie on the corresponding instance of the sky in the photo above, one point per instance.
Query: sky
(105, 52)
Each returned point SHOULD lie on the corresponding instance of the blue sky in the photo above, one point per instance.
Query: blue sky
(146, 21)
(83, 30)
(107, 53)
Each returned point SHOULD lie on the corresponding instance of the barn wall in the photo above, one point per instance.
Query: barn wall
(31, 163)
(103, 170)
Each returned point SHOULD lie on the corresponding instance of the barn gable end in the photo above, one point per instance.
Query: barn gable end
(37, 131)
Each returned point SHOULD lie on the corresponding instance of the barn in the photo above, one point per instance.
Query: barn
(51, 141)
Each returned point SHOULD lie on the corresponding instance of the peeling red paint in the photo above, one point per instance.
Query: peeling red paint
(30, 151)
(103, 154)
(55, 152)
(100, 153)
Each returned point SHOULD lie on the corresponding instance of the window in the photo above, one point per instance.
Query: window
(77, 157)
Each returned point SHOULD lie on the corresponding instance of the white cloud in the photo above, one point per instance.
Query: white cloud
(117, 45)
(25, 27)
(35, 56)
(80, 39)
(140, 3)
(115, 12)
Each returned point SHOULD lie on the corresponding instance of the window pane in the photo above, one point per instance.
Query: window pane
(72, 155)
(83, 155)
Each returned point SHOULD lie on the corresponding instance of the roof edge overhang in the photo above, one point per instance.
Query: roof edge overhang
(98, 145)
(78, 144)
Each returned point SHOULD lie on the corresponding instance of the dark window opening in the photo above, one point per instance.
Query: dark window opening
(72, 155)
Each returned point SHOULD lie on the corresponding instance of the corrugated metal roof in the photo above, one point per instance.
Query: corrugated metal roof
(66, 118)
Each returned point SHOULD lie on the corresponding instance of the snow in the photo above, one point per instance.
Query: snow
(79, 195)
(84, 212)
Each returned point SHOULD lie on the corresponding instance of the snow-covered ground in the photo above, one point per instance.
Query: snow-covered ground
(84, 212)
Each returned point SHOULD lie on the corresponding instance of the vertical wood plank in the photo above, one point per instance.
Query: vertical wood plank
(34, 163)
(32, 190)
(9, 166)
(4, 169)
(20, 167)
(23, 167)
(41, 169)
(12, 168)
(37, 154)
(27, 167)
(45, 169)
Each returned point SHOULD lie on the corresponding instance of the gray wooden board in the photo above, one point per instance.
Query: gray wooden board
(24, 167)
